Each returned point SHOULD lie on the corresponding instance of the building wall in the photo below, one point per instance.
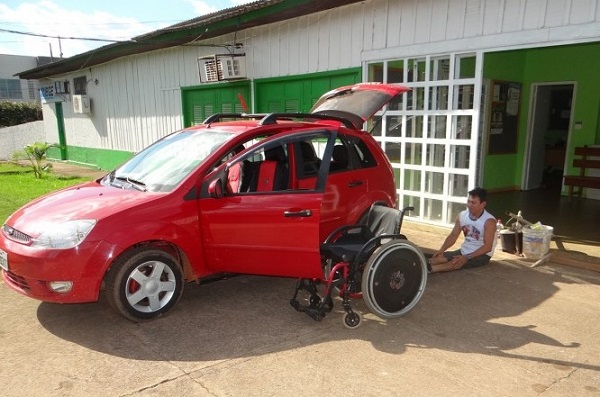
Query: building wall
(16, 137)
(439, 26)
(328, 40)
(532, 66)
(11, 64)
(137, 99)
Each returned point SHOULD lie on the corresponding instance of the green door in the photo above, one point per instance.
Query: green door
(202, 102)
(274, 95)
(299, 93)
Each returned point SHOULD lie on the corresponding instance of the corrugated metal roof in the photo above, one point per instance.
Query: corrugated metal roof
(226, 21)
(208, 19)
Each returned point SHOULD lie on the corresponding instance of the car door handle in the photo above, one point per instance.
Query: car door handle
(355, 183)
(301, 214)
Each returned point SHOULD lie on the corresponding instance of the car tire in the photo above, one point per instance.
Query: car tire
(144, 284)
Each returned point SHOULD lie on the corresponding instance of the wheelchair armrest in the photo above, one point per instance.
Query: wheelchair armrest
(346, 230)
(376, 242)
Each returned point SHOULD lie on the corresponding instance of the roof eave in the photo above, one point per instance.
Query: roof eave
(201, 28)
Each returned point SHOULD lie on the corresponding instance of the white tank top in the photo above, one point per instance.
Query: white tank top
(473, 232)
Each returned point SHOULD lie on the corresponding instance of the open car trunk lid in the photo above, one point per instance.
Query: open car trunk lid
(357, 102)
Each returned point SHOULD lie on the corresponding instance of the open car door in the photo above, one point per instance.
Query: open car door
(265, 226)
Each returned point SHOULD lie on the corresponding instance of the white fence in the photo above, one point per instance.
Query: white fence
(16, 137)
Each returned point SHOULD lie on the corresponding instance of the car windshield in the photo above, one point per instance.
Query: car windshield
(162, 166)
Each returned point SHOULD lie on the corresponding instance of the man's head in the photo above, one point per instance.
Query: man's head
(477, 201)
(480, 193)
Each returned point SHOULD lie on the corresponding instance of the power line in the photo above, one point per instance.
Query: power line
(61, 37)
(190, 42)
(136, 23)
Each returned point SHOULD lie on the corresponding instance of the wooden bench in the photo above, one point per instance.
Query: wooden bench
(584, 163)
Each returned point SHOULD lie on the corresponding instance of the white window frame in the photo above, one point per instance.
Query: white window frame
(435, 204)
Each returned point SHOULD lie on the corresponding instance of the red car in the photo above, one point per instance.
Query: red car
(250, 194)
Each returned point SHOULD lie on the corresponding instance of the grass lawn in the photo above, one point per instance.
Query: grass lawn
(18, 186)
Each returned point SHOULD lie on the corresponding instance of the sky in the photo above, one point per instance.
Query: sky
(91, 19)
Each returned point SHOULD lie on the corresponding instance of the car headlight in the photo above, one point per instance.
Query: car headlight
(65, 235)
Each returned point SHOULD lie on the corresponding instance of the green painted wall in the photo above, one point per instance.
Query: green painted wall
(103, 159)
(503, 171)
(576, 63)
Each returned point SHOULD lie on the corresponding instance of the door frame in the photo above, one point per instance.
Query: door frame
(533, 133)
(60, 125)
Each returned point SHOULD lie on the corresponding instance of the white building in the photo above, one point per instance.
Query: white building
(502, 90)
(11, 87)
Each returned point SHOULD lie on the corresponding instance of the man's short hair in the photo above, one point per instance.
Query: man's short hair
(479, 192)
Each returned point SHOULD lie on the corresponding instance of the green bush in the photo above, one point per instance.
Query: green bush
(15, 113)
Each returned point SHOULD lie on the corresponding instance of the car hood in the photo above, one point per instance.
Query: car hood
(361, 100)
(88, 201)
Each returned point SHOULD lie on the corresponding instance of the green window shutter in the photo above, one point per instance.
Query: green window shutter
(292, 106)
(227, 108)
(274, 107)
(299, 93)
(198, 103)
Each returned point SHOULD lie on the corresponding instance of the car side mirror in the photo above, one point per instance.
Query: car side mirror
(215, 188)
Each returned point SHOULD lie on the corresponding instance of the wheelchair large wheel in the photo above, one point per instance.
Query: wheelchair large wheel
(394, 279)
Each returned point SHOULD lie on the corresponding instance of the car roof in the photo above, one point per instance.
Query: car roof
(268, 123)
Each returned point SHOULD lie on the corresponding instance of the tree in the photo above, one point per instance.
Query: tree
(36, 154)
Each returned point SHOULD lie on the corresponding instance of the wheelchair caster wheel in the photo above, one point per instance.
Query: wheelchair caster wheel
(352, 320)
(313, 302)
(295, 304)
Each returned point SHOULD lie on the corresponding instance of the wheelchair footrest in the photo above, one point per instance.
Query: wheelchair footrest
(316, 313)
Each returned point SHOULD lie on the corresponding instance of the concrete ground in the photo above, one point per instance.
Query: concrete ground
(507, 329)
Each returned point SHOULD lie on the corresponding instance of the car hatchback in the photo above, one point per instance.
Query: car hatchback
(247, 194)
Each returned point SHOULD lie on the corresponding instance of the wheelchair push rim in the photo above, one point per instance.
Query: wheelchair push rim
(394, 279)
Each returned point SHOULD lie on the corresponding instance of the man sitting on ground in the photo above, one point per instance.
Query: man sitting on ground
(479, 228)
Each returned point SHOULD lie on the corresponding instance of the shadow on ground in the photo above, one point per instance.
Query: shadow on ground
(472, 311)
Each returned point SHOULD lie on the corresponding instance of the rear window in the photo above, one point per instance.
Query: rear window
(365, 157)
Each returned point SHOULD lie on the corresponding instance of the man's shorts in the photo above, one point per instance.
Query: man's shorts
(475, 262)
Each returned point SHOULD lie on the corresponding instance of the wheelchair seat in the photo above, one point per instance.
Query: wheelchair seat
(355, 243)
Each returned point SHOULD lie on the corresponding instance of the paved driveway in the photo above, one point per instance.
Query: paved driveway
(505, 329)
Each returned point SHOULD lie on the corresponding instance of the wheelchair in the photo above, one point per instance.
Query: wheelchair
(372, 261)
